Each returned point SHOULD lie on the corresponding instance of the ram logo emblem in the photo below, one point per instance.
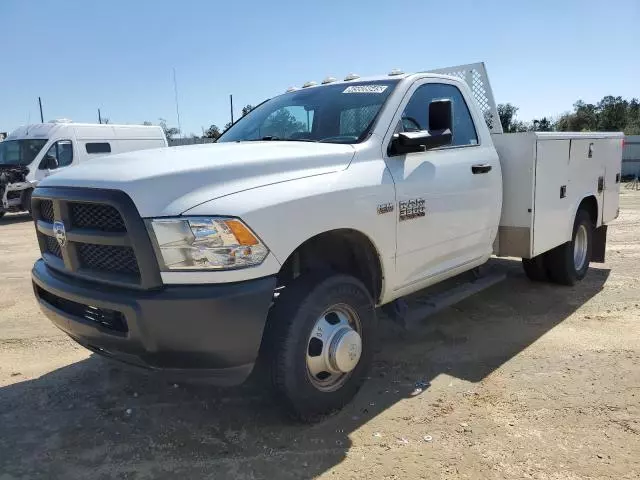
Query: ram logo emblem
(60, 233)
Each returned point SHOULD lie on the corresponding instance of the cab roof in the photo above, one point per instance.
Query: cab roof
(383, 78)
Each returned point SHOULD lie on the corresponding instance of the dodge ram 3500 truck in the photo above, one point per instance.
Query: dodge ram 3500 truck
(280, 240)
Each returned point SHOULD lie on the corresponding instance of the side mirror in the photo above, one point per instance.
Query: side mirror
(438, 135)
(440, 115)
(49, 162)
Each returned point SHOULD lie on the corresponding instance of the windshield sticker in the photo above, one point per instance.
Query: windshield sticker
(365, 89)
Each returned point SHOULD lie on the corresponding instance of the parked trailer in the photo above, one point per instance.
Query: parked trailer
(631, 157)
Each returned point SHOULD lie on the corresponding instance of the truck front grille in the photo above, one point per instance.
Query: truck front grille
(104, 239)
(46, 210)
(108, 258)
(93, 216)
(53, 247)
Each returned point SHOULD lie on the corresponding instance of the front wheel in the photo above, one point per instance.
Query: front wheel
(568, 263)
(322, 330)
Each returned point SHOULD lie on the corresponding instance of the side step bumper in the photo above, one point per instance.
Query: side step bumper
(411, 311)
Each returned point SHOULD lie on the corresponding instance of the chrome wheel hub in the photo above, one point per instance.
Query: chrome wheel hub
(334, 347)
(580, 247)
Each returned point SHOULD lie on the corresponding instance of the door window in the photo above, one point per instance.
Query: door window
(62, 154)
(416, 113)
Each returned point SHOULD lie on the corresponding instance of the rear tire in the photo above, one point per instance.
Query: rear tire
(298, 315)
(535, 268)
(569, 262)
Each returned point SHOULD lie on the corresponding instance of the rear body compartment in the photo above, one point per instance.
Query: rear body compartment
(546, 176)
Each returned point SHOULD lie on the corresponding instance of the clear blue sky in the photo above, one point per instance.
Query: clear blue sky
(79, 55)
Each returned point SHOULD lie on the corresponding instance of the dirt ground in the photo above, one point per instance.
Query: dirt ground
(521, 381)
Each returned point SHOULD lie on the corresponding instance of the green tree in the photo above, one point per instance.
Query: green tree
(612, 114)
(246, 109)
(213, 132)
(609, 114)
(584, 118)
(169, 132)
(507, 113)
(542, 125)
(633, 118)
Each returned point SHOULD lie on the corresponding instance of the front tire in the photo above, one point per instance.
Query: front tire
(569, 262)
(321, 338)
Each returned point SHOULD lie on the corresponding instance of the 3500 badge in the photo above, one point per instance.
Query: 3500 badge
(411, 209)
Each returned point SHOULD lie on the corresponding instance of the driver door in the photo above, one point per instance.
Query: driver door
(59, 155)
(448, 198)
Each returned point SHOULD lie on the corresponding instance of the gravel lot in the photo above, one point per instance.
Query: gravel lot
(521, 381)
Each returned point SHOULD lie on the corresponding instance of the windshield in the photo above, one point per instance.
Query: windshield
(340, 113)
(20, 152)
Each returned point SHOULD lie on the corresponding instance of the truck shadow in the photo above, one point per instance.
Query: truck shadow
(93, 419)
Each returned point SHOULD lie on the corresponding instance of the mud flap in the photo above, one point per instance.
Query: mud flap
(599, 244)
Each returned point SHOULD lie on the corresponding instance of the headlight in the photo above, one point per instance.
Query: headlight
(205, 243)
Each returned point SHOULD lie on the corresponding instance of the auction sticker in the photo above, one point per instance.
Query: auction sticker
(365, 89)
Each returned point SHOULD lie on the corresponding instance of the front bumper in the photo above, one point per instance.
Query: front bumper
(13, 195)
(211, 331)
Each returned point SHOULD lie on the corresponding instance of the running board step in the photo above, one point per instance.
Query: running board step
(411, 312)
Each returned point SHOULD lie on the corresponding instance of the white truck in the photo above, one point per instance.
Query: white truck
(33, 152)
(279, 241)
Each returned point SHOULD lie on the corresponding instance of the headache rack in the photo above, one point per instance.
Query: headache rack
(475, 74)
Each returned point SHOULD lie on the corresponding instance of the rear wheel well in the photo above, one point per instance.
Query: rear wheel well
(590, 205)
(345, 251)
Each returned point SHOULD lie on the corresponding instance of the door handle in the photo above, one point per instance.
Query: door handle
(480, 168)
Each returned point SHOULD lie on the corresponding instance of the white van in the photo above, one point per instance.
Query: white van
(34, 152)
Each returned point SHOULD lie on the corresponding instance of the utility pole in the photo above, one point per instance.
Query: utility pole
(175, 89)
(231, 101)
(41, 116)
(99, 117)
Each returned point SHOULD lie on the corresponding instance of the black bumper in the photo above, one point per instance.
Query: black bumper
(211, 331)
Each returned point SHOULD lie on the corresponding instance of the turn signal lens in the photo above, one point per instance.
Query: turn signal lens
(241, 232)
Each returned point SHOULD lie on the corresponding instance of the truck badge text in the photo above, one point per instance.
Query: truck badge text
(411, 209)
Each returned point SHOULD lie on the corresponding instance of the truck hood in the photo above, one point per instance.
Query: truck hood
(169, 181)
